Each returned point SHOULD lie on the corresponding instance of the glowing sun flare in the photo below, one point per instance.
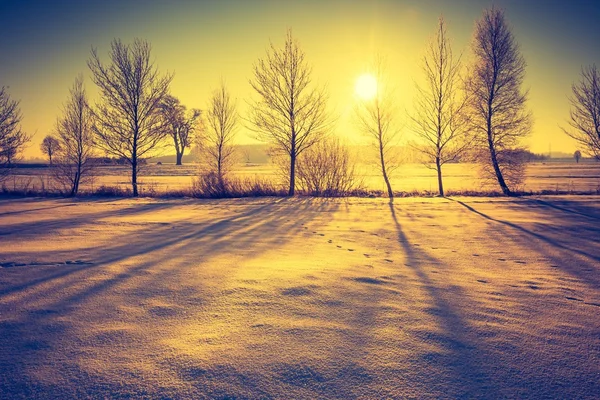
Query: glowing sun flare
(366, 86)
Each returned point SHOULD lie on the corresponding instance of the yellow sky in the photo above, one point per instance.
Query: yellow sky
(202, 43)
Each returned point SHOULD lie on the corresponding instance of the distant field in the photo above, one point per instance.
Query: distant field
(551, 175)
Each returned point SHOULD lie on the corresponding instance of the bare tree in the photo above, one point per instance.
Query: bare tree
(222, 118)
(180, 124)
(128, 123)
(498, 116)
(439, 118)
(377, 119)
(74, 163)
(12, 138)
(50, 146)
(585, 111)
(289, 112)
(577, 156)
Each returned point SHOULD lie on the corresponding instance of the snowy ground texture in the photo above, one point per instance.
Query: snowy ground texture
(300, 298)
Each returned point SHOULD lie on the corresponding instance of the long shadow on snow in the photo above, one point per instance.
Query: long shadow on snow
(258, 229)
(467, 362)
(44, 227)
(216, 235)
(572, 223)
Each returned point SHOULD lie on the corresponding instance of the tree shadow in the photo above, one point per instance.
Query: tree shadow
(153, 266)
(569, 220)
(468, 360)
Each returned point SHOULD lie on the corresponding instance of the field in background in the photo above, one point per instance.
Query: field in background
(556, 175)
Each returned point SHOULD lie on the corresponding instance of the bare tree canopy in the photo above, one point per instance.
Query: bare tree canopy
(289, 112)
(221, 124)
(180, 124)
(12, 138)
(128, 123)
(377, 118)
(585, 111)
(76, 139)
(50, 145)
(498, 116)
(439, 118)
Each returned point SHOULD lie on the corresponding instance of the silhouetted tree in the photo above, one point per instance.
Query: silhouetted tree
(498, 115)
(12, 138)
(222, 118)
(289, 112)
(577, 156)
(439, 118)
(74, 161)
(585, 111)
(377, 119)
(180, 124)
(50, 146)
(128, 123)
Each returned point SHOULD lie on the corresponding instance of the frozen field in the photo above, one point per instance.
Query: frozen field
(562, 176)
(300, 298)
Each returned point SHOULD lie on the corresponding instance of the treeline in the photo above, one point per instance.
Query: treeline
(480, 115)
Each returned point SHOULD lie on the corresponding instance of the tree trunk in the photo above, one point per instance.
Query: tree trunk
(384, 172)
(179, 157)
(134, 176)
(292, 173)
(499, 176)
(438, 166)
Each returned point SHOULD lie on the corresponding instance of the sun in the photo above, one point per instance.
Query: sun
(366, 86)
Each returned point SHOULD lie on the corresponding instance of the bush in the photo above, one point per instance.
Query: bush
(210, 185)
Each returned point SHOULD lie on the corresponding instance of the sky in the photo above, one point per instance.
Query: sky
(44, 45)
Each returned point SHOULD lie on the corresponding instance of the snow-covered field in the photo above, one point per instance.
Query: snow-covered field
(300, 298)
(555, 175)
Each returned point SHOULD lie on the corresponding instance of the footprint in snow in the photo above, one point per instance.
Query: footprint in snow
(350, 249)
(330, 241)
(502, 259)
(388, 260)
(573, 298)
(482, 281)
(367, 255)
(520, 262)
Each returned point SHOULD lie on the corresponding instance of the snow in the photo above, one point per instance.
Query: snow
(300, 298)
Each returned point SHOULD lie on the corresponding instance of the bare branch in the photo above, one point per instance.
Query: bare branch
(288, 112)
(584, 120)
(128, 123)
(498, 116)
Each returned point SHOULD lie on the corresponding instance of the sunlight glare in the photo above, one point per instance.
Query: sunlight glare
(366, 86)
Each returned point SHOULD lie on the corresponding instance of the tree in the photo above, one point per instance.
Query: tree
(585, 111)
(50, 146)
(75, 139)
(222, 117)
(180, 124)
(377, 119)
(498, 116)
(128, 123)
(12, 138)
(439, 119)
(577, 156)
(289, 112)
